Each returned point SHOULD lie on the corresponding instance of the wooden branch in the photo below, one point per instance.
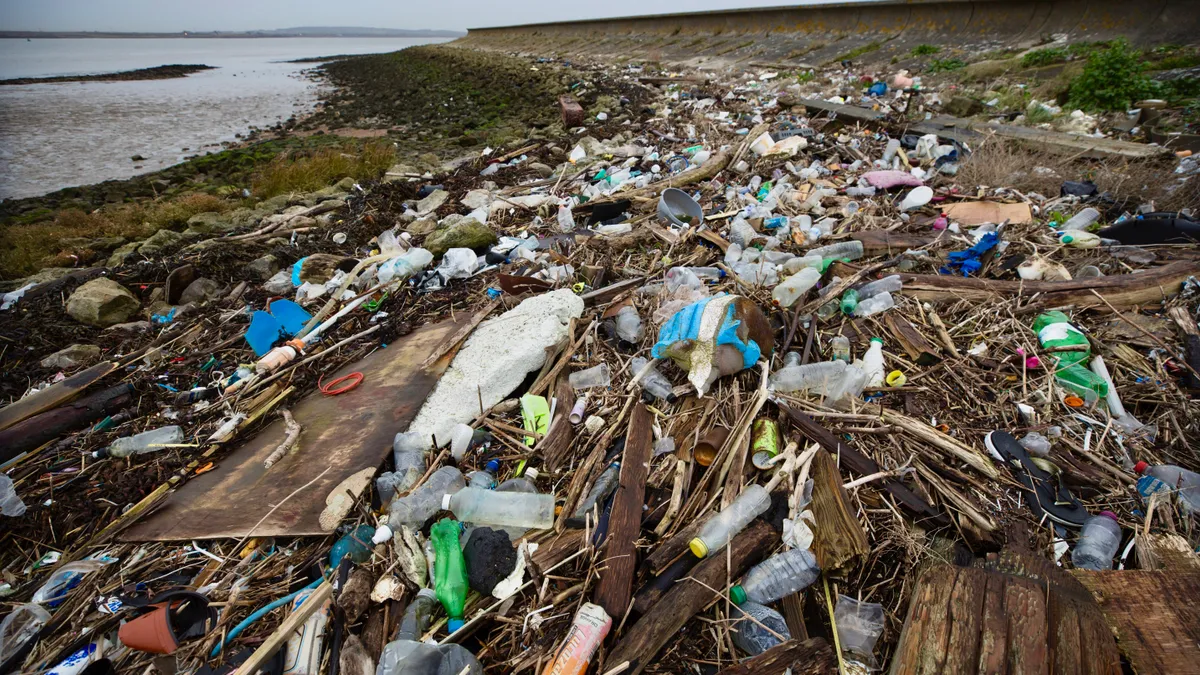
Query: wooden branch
(891, 244)
(561, 434)
(281, 635)
(918, 347)
(642, 642)
(976, 460)
(792, 608)
(54, 395)
(41, 428)
(839, 540)
(667, 551)
(799, 657)
(624, 525)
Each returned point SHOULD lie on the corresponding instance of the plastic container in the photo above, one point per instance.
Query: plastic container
(596, 376)
(839, 348)
(422, 503)
(629, 325)
(889, 284)
(10, 503)
(814, 377)
(1187, 483)
(143, 443)
(843, 250)
(451, 568)
(1098, 542)
(524, 483)
(721, 528)
(873, 305)
(1081, 239)
(18, 626)
(918, 197)
(776, 577)
(566, 220)
(505, 509)
(849, 301)
(794, 287)
(587, 632)
(872, 362)
(577, 410)
(859, 625)
(678, 208)
(1081, 220)
(605, 483)
(485, 479)
(408, 656)
(460, 440)
(752, 637)
(654, 382)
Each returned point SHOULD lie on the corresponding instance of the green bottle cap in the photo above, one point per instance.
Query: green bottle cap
(737, 594)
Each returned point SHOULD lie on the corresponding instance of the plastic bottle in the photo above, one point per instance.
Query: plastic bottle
(524, 483)
(799, 263)
(721, 528)
(502, 508)
(402, 267)
(451, 568)
(654, 382)
(417, 616)
(1176, 478)
(893, 146)
(776, 577)
(849, 385)
(918, 197)
(1036, 444)
(460, 440)
(596, 376)
(1098, 542)
(629, 324)
(873, 305)
(1081, 220)
(408, 656)
(889, 284)
(1081, 239)
(839, 348)
(872, 363)
(10, 503)
(19, 626)
(705, 273)
(752, 637)
(587, 632)
(794, 287)
(143, 443)
(815, 377)
(422, 503)
(566, 221)
(843, 250)
(276, 359)
(849, 301)
(408, 451)
(741, 233)
(605, 483)
(486, 478)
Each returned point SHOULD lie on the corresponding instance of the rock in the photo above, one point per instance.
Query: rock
(122, 254)
(591, 146)
(346, 184)
(963, 106)
(137, 158)
(130, 327)
(431, 203)
(476, 199)
(158, 241)
(71, 357)
(264, 268)
(490, 557)
(200, 291)
(324, 194)
(423, 226)
(46, 274)
(210, 223)
(102, 302)
(544, 170)
(204, 245)
(276, 203)
(465, 233)
(97, 244)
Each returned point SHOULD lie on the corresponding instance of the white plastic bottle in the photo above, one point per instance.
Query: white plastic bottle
(874, 305)
(1081, 220)
(143, 443)
(506, 509)
(1176, 478)
(799, 263)
(872, 363)
(750, 636)
(814, 377)
(1098, 542)
(721, 528)
(418, 506)
(794, 287)
(460, 440)
(776, 577)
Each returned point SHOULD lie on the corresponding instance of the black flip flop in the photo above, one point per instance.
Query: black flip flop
(1044, 496)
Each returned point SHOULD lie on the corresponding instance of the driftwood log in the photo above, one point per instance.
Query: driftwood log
(839, 540)
(615, 589)
(47, 426)
(799, 657)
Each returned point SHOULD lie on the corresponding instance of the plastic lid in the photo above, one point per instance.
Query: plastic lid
(382, 534)
(446, 501)
(531, 473)
(737, 594)
(492, 466)
(1109, 514)
(1140, 467)
(699, 548)
(877, 339)
(454, 624)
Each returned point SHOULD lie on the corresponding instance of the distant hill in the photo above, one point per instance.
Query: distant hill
(306, 31)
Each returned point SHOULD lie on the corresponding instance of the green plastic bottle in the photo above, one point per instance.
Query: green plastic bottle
(450, 570)
(849, 301)
(1054, 331)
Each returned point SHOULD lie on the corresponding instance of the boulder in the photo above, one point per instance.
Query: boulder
(200, 291)
(264, 268)
(122, 254)
(102, 302)
(963, 106)
(423, 226)
(209, 224)
(465, 233)
(159, 241)
(346, 184)
(544, 170)
(71, 357)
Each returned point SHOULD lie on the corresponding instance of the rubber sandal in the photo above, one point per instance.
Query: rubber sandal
(1044, 495)
(173, 617)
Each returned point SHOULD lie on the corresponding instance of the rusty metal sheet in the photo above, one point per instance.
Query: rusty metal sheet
(347, 434)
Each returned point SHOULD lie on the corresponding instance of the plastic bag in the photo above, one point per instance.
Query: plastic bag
(19, 626)
(859, 626)
(716, 336)
(458, 263)
(54, 591)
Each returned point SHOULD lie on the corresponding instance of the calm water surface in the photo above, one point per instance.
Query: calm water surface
(61, 135)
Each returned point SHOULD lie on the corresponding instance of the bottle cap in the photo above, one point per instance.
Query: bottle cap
(382, 534)
(699, 548)
(737, 594)
(531, 473)
(1109, 514)
(492, 466)
(877, 339)
(103, 452)
(1140, 467)
(446, 502)
(454, 624)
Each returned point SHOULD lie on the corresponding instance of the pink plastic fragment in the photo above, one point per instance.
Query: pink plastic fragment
(885, 180)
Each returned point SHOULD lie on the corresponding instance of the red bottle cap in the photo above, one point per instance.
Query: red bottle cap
(1140, 467)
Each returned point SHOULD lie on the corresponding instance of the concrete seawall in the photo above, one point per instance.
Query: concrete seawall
(816, 34)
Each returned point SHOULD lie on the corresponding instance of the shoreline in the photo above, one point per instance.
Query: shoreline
(167, 72)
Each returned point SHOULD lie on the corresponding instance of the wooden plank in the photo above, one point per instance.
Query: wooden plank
(1155, 616)
(792, 608)
(918, 347)
(800, 657)
(839, 540)
(891, 244)
(615, 589)
(54, 395)
(561, 434)
(641, 643)
(289, 626)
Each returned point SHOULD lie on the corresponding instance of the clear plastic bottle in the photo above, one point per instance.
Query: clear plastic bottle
(1176, 478)
(843, 250)
(605, 483)
(629, 324)
(839, 348)
(460, 440)
(1081, 220)
(654, 381)
(143, 443)
(721, 528)
(794, 287)
(874, 305)
(506, 509)
(414, 509)
(10, 502)
(524, 483)
(776, 577)
(872, 363)
(815, 377)
(705, 273)
(751, 637)
(890, 284)
(850, 385)
(1098, 542)
(799, 263)
(889, 152)
(741, 233)
(485, 479)
(407, 655)
(408, 451)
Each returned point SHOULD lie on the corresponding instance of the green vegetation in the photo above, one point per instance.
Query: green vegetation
(1043, 57)
(1036, 114)
(924, 50)
(805, 76)
(857, 52)
(1112, 80)
(1170, 57)
(308, 171)
(945, 65)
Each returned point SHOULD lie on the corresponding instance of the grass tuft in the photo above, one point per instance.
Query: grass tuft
(316, 169)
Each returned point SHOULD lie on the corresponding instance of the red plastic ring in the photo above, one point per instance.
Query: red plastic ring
(329, 390)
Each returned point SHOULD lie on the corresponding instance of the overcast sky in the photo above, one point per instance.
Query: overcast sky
(239, 15)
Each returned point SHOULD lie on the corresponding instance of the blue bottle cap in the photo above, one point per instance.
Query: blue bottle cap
(454, 624)
(492, 466)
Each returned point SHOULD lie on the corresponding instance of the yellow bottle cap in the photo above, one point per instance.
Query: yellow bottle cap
(699, 548)
(896, 379)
